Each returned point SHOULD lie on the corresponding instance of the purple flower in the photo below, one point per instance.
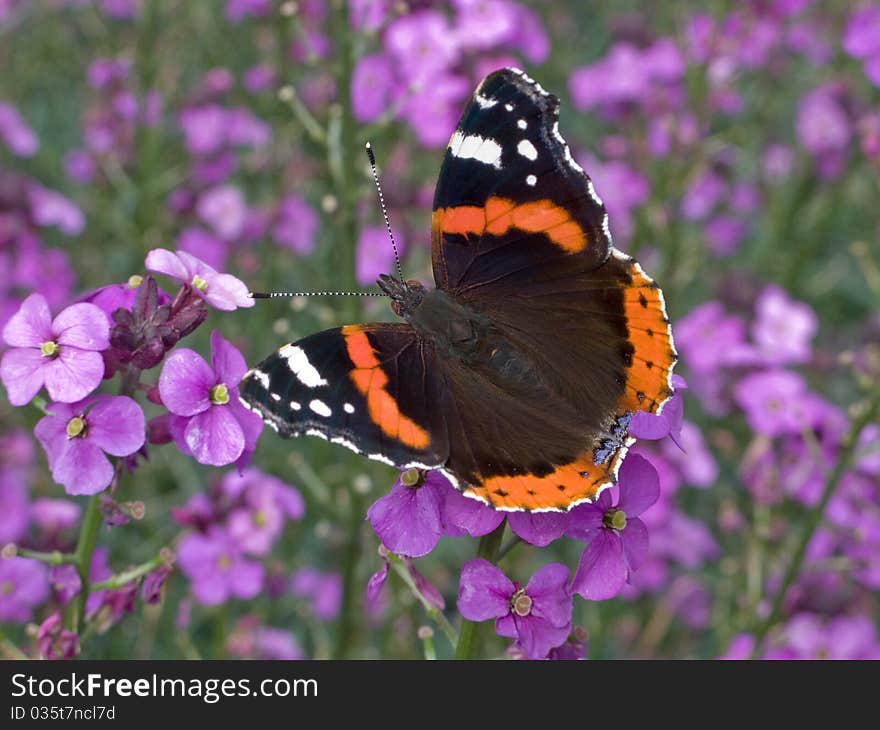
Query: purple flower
(15, 132)
(724, 233)
(222, 291)
(822, 122)
(422, 43)
(50, 208)
(482, 24)
(374, 254)
(617, 538)
(75, 437)
(538, 528)
(24, 585)
(212, 423)
(111, 297)
(56, 642)
(410, 519)
(861, 38)
(15, 512)
(55, 515)
(842, 637)
(238, 10)
(708, 337)
(154, 582)
(433, 111)
(537, 616)
(783, 328)
(703, 195)
(372, 87)
(217, 569)
(296, 225)
(772, 402)
(323, 591)
(645, 425)
(224, 209)
(63, 354)
(257, 520)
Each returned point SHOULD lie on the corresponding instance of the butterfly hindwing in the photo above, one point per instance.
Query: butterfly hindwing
(366, 387)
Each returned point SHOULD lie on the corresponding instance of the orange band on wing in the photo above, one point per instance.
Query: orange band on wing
(370, 380)
(567, 485)
(647, 376)
(500, 215)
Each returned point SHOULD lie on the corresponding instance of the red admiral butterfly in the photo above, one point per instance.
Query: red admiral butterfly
(518, 375)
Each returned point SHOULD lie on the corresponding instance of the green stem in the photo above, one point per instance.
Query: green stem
(85, 548)
(399, 566)
(53, 558)
(120, 579)
(467, 638)
(814, 519)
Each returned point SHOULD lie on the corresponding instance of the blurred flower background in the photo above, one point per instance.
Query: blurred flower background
(159, 159)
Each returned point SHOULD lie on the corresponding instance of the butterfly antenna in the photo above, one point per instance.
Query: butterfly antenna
(279, 294)
(385, 211)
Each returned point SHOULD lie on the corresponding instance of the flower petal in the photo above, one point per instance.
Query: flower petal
(538, 637)
(407, 520)
(462, 515)
(31, 325)
(82, 468)
(22, 373)
(82, 325)
(550, 599)
(639, 485)
(246, 579)
(195, 265)
(228, 363)
(250, 423)
(584, 519)
(185, 383)
(601, 571)
(539, 528)
(483, 591)
(51, 430)
(635, 543)
(214, 437)
(73, 374)
(116, 425)
(225, 292)
(163, 261)
(649, 426)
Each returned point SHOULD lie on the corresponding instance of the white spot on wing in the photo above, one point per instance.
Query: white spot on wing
(316, 432)
(509, 107)
(275, 396)
(531, 180)
(348, 408)
(380, 457)
(299, 365)
(527, 150)
(342, 441)
(484, 102)
(321, 408)
(261, 377)
(522, 124)
(296, 406)
(475, 147)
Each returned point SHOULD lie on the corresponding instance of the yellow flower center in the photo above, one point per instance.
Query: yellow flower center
(7, 588)
(224, 562)
(199, 283)
(412, 478)
(260, 519)
(521, 603)
(76, 426)
(219, 395)
(134, 281)
(615, 519)
(49, 349)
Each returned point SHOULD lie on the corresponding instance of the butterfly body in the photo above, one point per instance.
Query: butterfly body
(518, 374)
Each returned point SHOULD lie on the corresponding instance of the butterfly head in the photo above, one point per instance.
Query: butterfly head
(405, 295)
